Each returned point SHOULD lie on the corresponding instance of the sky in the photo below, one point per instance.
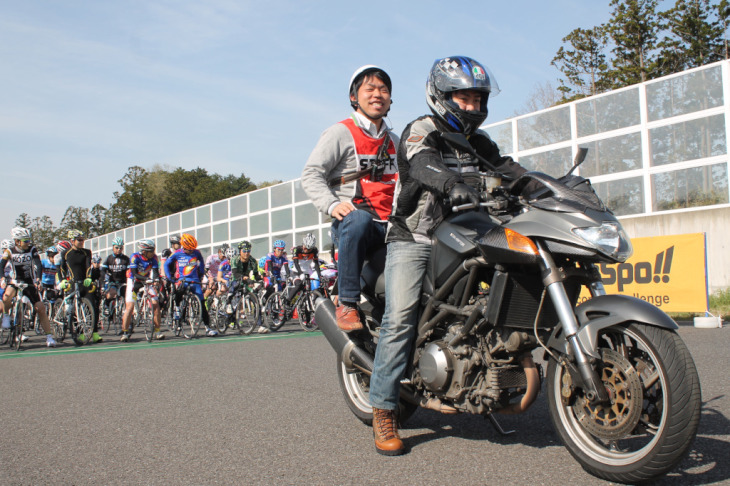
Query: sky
(88, 89)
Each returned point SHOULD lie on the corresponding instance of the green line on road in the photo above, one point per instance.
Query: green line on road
(99, 348)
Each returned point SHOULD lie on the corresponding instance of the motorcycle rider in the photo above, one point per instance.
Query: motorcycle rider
(431, 172)
(343, 180)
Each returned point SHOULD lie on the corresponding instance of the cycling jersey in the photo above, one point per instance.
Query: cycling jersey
(114, 268)
(25, 265)
(249, 268)
(211, 265)
(49, 272)
(305, 261)
(183, 265)
(275, 265)
(75, 265)
(225, 269)
(141, 268)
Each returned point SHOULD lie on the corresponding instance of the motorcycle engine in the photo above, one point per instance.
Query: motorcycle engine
(443, 368)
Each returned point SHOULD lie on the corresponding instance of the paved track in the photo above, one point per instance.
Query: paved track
(268, 410)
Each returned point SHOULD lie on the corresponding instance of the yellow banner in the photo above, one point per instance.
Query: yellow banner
(667, 271)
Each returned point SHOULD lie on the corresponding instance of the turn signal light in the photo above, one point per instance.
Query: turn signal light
(518, 242)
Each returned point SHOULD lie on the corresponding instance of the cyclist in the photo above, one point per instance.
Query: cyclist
(244, 270)
(305, 260)
(224, 271)
(48, 280)
(62, 246)
(276, 268)
(166, 289)
(25, 268)
(211, 271)
(75, 266)
(143, 265)
(188, 264)
(114, 274)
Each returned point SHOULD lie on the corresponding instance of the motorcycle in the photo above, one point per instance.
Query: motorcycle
(503, 281)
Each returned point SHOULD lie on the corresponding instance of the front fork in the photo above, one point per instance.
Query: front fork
(594, 389)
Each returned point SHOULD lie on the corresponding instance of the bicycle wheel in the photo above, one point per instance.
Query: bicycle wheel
(305, 309)
(277, 311)
(218, 314)
(247, 314)
(59, 321)
(84, 322)
(16, 328)
(146, 321)
(192, 315)
(4, 335)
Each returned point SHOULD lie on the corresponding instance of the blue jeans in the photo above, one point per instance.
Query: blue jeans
(405, 269)
(355, 236)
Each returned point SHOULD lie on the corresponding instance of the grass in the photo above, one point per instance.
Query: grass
(719, 306)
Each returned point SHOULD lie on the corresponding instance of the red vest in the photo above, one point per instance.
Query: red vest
(375, 197)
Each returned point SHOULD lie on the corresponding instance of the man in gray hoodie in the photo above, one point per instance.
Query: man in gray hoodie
(350, 175)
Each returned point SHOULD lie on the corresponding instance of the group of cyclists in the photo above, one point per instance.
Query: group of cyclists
(68, 267)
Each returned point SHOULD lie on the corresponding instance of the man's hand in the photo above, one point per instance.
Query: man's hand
(342, 210)
(463, 194)
(87, 282)
(63, 284)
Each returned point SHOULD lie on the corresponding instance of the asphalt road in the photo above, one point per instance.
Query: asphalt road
(267, 409)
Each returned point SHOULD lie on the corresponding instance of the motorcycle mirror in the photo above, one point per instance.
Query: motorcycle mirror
(580, 157)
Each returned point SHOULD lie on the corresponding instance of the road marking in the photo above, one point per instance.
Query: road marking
(63, 350)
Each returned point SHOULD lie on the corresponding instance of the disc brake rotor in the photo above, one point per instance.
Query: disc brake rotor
(619, 417)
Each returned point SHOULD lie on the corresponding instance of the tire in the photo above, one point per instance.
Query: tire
(84, 322)
(4, 335)
(16, 328)
(219, 316)
(355, 389)
(146, 320)
(277, 312)
(59, 322)
(247, 314)
(654, 412)
(305, 311)
(192, 315)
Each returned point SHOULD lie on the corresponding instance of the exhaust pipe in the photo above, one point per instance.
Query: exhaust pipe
(349, 352)
(533, 387)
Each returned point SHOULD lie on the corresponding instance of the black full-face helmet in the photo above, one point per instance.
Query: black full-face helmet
(454, 74)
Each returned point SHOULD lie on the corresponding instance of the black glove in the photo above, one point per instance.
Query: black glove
(461, 193)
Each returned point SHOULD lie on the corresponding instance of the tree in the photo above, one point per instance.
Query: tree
(582, 62)
(693, 38)
(723, 18)
(131, 203)
(23, 220)
(45, 234)
(634, 28)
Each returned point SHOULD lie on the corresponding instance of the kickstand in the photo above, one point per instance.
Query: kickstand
(498, 427)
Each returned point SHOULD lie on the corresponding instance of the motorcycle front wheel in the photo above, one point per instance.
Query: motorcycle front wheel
(651, 420)
(356, 391)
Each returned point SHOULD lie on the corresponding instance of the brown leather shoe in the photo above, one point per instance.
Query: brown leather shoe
(348, 318)
(385, 430)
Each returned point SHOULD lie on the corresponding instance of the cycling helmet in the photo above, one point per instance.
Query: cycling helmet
(223, 247)
(146, 245)
(118, 241)
(6, 244)
(96, 259)
(19, 233)
(51, 250)
(454, 74)
(175, 239)
(309, 241)
(74, 233)
(63, 246)
(279, 244)
(359, 76)
(188, 242)
(230, 253)
(245, 245)
(166, 253)
(262, 262)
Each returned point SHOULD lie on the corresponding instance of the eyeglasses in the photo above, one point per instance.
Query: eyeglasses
(278, 249)
(245, 251)
(80, 239)
(117, 247)
(24, 240)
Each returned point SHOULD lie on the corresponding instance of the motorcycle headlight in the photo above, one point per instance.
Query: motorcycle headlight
(610, 238)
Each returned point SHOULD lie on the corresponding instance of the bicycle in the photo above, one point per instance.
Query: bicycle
(144, 312)
(305, 304)
(190, 310)
(50, 305)
(246, 310)
(112, 322)
(75, 315)
(19, 320)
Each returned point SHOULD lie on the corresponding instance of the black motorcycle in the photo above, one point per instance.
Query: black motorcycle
(504, 279)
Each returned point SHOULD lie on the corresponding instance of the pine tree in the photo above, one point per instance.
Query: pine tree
(582, 62)
(694, 36)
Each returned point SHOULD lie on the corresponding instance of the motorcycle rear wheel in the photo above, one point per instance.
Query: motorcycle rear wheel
(356, 391)
(652, 419)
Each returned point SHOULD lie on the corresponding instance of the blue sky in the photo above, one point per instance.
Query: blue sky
(88, 89)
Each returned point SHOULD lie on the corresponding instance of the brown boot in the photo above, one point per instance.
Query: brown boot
(385, 430)
(348, 318)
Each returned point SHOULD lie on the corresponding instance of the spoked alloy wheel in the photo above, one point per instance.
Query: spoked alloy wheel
(277, 312)
(58, 322)
(654, 408)
(84, 322)
(192, 315)
(218, 315)
(305, 311)
(247, 314)
(146, 321)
